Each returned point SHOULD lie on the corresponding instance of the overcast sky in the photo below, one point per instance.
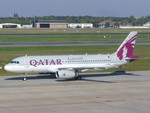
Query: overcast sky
(118, 8)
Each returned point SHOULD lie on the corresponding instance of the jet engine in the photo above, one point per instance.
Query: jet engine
(65, 74)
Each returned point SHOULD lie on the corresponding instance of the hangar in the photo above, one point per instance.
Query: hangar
(51, 24)
(10, 25)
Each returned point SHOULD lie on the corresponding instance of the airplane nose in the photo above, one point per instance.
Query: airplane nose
(8, 68)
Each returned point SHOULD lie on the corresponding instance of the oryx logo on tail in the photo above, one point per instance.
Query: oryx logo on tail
(127, 47)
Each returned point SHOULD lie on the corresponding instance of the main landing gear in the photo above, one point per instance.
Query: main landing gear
(77, 76)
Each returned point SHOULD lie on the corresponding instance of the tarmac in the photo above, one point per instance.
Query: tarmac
(41, 44)
(118, 92)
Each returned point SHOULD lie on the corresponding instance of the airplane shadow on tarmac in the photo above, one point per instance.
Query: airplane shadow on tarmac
(116, 73)
(84, 76)
(33, 77)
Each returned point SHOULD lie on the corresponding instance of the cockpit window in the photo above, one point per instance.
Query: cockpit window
(14, 62)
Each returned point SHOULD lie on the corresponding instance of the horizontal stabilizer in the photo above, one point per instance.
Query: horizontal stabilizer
(133, 58)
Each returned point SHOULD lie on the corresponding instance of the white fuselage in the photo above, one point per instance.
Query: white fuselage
(54, 63)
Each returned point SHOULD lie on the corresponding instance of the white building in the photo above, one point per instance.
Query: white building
(147, 24)
(133, 27)
(80, 25)
(27, 26)
(10, 25)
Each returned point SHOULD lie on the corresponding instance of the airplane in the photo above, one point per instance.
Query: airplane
(69, 66)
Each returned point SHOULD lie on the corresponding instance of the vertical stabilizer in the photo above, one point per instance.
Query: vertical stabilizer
(125, 51)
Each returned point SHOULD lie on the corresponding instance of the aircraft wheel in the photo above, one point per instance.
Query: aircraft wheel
(78, 78)
(24, 79)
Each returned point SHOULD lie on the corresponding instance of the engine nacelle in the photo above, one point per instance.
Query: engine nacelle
(65, 74)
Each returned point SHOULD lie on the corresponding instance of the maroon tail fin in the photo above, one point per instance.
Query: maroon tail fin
(125, 51)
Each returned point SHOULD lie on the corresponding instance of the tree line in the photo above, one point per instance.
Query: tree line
(79, 19)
